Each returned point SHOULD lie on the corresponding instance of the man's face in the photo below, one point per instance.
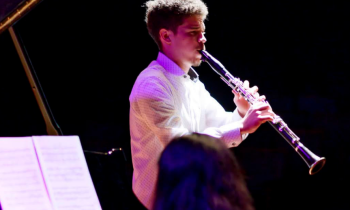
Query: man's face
(188, 39)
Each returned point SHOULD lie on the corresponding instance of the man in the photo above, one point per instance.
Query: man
(168, 100)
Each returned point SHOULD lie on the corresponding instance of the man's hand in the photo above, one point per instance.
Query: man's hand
(241, 103)
(256, 115)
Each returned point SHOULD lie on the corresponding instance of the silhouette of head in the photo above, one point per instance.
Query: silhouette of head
(198, 171)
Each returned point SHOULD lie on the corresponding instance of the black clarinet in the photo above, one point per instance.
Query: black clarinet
(314, 162)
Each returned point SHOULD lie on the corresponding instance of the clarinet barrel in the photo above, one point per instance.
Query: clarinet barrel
(314, 162)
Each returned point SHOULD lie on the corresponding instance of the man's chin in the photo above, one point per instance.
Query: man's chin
(197, 63)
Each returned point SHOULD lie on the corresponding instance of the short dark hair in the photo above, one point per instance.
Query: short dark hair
(169, 14)
(198, 171)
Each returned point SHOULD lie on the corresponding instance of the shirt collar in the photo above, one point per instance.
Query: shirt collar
(173, 68)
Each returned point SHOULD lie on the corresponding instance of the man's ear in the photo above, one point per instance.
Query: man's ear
(165, 36)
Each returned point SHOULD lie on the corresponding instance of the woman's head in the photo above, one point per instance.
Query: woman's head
(198, 171)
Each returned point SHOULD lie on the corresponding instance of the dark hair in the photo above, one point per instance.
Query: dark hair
(169, 14)
(198, 171)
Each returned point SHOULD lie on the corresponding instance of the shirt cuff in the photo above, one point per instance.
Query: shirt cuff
(236, 116)
(231, 134)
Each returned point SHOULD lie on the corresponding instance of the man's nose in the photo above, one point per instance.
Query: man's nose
(202, 38)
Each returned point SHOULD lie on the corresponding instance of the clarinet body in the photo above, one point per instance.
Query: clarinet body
(314, 162)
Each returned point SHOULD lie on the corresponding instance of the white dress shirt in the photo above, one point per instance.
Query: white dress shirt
(166, 103)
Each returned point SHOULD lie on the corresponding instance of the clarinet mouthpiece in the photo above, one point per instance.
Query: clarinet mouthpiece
(205, 55)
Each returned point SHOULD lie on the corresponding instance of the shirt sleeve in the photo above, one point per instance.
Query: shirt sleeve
(154, 102)
(220, 123)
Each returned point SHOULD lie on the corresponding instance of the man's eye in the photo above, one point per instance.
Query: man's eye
(194, 33)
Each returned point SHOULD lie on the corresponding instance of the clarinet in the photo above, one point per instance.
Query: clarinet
(314, 162)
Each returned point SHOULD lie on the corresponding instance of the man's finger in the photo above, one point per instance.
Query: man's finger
(254, 89)
(261, 106)
(246, 84)
(266, 118)
(234, 92)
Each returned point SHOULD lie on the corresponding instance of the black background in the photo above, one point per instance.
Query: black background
(87, 55)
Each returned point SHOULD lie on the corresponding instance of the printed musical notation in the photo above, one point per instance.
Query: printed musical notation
(45, 173)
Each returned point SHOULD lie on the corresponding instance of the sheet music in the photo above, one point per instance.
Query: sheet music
(21, 182)
(66, 173)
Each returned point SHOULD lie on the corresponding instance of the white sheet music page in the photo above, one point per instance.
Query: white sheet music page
(66, 173)
(21, 182)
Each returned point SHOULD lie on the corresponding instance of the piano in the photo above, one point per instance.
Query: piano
(110, 169)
